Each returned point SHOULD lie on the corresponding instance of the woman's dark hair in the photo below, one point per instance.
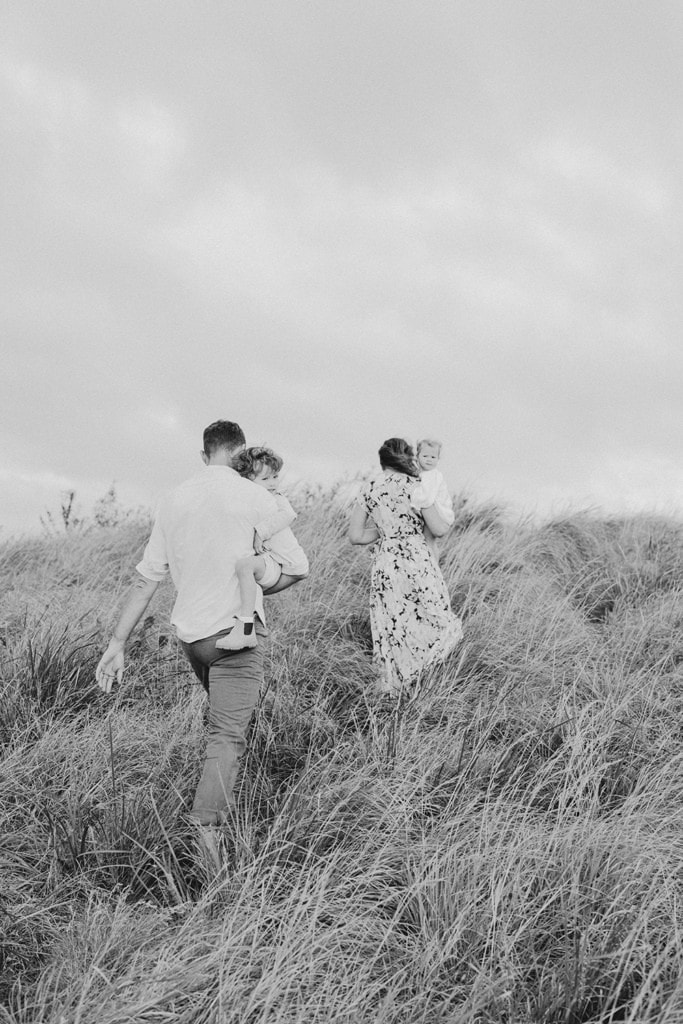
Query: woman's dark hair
(251, 461)
(398, 455)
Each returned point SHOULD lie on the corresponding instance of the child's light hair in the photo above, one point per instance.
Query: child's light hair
(250, 461)
(429, 442)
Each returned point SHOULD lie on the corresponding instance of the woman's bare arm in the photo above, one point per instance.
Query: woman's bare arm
(435, 522)
(359, 530)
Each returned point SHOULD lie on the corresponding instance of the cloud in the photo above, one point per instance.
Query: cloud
(154, 137)
(638, 479)
(92, 154)
(30, 499)
(54, 103)
(337, 225)
(584, 167)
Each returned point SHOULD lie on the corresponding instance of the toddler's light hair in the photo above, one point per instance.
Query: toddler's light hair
(431, 442)
(250, 461)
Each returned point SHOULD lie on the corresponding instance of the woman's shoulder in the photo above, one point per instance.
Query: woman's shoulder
(372, 485)
(399, 488)
(403, 482)
(389, 484)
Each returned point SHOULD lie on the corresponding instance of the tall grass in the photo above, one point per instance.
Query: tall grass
(506, 846)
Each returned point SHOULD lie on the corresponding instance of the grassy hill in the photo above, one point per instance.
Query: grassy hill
(506, 847)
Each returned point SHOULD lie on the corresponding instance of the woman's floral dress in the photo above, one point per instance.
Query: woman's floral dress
(412, 622)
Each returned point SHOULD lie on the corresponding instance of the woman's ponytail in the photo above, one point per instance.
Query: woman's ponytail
(398, 455)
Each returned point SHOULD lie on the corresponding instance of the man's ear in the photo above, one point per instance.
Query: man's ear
(204, 457)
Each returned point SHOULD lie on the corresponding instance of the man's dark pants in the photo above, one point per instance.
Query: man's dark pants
(233, 681)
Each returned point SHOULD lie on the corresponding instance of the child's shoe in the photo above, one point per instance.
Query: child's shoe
(240, 636)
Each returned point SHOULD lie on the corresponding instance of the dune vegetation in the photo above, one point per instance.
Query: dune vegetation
(505, 846)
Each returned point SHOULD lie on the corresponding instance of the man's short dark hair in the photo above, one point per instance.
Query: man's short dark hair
(223, 434)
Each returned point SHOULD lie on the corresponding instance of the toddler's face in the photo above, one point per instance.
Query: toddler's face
(428, 457)
(266, 478)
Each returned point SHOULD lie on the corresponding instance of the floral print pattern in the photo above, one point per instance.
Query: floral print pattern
(411, 618)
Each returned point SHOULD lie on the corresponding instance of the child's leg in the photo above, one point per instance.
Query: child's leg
(283, 581)
(432, 543)
(249, 572)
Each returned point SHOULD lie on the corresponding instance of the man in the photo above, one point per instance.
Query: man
(200, 531)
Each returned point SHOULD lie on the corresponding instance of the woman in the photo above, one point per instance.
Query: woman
(411, 618)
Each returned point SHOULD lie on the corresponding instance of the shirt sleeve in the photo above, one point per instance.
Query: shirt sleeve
(444, 503)
(424, 493)
(419, 498)
(291, 557)
(285, 549)
(154, 564)
(283, 517)
(432, 490)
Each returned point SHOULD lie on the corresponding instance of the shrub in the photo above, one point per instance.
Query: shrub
(501, 847)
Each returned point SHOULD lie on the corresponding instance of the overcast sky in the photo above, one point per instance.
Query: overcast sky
(335, 222)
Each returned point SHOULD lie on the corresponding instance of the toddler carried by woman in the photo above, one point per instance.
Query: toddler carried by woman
(432, 489)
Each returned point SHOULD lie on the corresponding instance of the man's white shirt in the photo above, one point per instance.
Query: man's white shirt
(200, 530)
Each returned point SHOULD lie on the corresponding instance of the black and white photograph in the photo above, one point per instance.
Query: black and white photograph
(341, 512)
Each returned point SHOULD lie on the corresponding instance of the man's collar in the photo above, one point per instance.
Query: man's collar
(216, 465)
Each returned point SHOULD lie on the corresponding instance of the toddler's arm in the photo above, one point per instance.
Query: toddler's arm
(424, 492)
(279, 520)
(286, 550)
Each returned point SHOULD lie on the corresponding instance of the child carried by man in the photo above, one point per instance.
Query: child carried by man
(263, 568)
